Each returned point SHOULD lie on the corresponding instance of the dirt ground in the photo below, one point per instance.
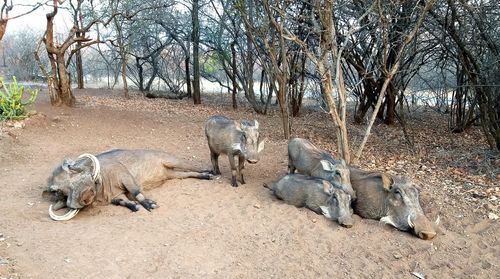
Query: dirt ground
(208, 229)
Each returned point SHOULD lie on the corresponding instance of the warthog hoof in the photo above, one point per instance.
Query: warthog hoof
(208, 176)
(214, 172)
(234, 183)
(149, 204)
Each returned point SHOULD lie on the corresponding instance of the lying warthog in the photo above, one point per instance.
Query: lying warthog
(307, 159)
(116, 176)
(316, 194)
(392, 200)
(233, 138)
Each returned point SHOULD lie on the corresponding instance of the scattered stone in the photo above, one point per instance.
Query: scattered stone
(2, 238)
(492, 216)
(485, 265)
(314, 220)
(418, 275)
(256, 206)
(397, 256)
(67, 260)
(3, 261)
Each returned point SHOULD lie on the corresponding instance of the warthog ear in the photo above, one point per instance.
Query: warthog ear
(81, 165)
(387, 181)
(327, 187)
(261, 145)
(327, 165)
(67, 164)
(326, 211)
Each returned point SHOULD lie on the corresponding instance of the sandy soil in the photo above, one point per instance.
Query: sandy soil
(208, 229)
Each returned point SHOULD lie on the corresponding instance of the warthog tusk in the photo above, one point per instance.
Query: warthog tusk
(410, 223)
(70, 214)
(388, 220)
(438, 219)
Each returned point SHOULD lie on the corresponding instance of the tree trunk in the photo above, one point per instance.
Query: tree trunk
(65, 92)
(140, 73)
(188, 77)
(59, 81)
(79, 68)
(3, 27)
(285, 115)
(196, 57)
(390, 113)
(123, 56)
(233, 75)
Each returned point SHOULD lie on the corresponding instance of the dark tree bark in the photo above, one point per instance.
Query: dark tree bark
(196, 55)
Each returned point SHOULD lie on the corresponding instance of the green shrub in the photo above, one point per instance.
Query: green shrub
(13, 103)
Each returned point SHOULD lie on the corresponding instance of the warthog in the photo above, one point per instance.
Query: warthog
(316, 194)
(392, 200)
(307, 159)
(116, 176)
(235, 139)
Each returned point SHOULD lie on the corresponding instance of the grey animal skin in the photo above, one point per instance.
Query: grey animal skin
(307, 159)
(392, 200)
(235, 139)
(122, 176)
(316, 194)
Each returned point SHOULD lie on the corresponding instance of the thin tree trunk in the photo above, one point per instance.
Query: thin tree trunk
(196, 57)
(79, 68)
(233, 75)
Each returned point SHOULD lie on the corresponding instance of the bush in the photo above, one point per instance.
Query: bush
(13, 101)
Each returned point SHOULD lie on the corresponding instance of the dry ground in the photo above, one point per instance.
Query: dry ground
(208, 229)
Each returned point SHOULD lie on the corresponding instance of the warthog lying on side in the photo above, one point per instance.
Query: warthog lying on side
(235, 139)
(392, 200)
(307, 159)
(116, 176)
(316, 194)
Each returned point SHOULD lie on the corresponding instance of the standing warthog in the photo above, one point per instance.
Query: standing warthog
(116, 176)
(316, 194)
(233, 138)
(392, 200)
(307, 159)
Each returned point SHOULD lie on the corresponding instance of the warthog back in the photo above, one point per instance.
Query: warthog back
(307, 159)
(316, 194)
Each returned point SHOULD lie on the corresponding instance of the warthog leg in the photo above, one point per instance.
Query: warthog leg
(124, 201)
(241, 166)
(147, 203)
(234, 172)
(215, 163)
(191, 174)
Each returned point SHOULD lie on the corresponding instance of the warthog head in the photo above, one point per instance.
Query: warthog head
(251, 144)
(338, 205)
(76, 181)
(338, 173)
(403, 208)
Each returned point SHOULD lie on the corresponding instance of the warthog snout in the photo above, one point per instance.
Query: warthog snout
(346, 222)
(423, 228)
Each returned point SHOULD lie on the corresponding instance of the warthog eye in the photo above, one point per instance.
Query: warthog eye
(337, 173)
(398, 194)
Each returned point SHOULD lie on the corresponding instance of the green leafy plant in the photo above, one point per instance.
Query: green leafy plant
(13, 102)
